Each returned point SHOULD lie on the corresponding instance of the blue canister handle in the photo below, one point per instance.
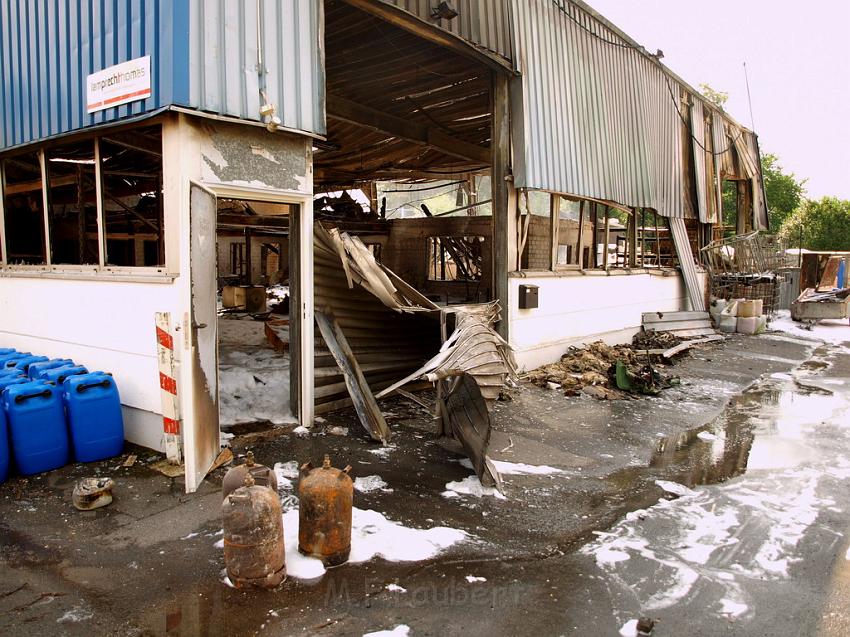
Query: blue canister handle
(101, 383)
(45, 393)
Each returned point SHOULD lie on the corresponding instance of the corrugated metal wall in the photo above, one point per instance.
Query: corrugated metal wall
(595, 119)
(47, 48)
(223, 61)
(699, 146)
(203, 55)
(486, 23)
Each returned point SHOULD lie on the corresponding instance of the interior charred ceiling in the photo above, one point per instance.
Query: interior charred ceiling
(398, 106)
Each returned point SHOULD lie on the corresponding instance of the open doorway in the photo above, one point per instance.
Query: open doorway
(410, 127)
(253, 293)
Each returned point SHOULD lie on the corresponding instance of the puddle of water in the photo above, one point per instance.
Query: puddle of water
(765, 428)
(789, 435)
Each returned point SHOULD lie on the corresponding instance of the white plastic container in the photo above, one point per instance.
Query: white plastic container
(749, 309)
(748, 324)
(727, 324)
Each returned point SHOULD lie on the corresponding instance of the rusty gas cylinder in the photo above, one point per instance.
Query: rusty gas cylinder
(235, 476)
(253, 536)
(324, 518)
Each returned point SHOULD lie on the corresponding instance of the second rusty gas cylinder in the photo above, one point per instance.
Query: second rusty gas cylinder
(324, 519)
(235, 476)
(253, 536)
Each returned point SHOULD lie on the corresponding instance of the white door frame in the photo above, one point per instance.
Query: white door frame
(303, 235)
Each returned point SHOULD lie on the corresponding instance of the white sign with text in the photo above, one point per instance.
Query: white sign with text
(119, 84)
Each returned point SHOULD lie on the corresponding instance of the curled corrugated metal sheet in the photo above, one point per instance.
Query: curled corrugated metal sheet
(719, 143)
(698, 132)
(485, 23)
(687, 264)
(593, 119)
(760, 219)
(226, 78)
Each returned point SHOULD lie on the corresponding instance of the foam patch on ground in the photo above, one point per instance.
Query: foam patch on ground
(472, 486)
(368, 484)
(401, 630)
(372, 535)
(520, 468)
(253, 386)
(695, 538)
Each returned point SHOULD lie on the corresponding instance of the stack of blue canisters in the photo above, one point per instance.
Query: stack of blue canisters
(52, 410)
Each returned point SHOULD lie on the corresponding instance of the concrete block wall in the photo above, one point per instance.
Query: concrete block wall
(537, 253)
(257, 277)
(538, 250)
(406, 253)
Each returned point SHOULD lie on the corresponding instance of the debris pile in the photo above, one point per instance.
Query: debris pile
(814, 306)
(652, 339)
(832, 296)
(608, 372)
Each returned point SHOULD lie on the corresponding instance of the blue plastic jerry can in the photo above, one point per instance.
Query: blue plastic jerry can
(4, 447)
(35, 368)
(10, 371)
(8, 360)
(57, 375)
(10, 379)
(7, 350)
(95, 422)
(36, 420)
(25, 362)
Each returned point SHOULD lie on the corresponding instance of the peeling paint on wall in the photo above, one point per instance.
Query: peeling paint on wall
(250, 156)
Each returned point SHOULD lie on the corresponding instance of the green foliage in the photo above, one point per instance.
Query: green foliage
(718, 98)
(784, 191)
(822, 225)
(730, 206)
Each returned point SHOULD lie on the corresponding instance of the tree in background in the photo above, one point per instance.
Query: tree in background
(819, 225)
(784, 191)
(718, 98)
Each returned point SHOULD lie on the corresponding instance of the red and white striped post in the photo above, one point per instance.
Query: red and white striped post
(168, 388)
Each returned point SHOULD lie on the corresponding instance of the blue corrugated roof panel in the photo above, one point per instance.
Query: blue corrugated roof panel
(204, 55)
(48, 48)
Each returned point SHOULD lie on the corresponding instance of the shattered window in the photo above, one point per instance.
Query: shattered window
(455, 258)
(72, 204)
(237, 259)
(535, 230)
(131, 168)
(24, 210)
(569, 251)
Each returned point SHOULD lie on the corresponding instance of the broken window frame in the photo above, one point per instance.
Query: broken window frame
(103, 196)
(99, 270)
(4, 251)
(584, 256)
(576, 260)
(50, 188)
(431, 252)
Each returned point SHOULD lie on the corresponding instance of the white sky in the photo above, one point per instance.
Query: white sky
(798, 59)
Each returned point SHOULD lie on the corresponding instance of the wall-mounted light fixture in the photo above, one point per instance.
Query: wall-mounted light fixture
(443, 11)
(267, 113)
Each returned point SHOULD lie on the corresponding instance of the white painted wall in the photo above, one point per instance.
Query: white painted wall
(103, 318)
(105, 325)
(578, 308)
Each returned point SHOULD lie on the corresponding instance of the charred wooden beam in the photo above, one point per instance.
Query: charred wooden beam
(403, 19)
(348, 111)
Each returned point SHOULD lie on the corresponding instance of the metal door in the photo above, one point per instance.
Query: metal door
(201, 428)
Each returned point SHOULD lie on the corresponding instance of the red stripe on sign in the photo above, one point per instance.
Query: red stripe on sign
(145, 92)
(170, 426)
(167, 383)
(165, 339)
